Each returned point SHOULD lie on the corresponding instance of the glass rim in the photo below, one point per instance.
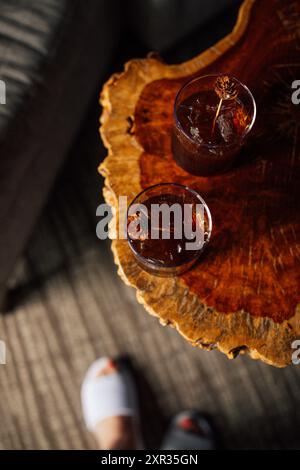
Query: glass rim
(189, 82)
(185, 188)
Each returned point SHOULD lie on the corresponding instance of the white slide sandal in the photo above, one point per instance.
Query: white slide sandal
(109, 395)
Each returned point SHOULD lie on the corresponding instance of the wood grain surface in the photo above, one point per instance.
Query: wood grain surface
(243, 296)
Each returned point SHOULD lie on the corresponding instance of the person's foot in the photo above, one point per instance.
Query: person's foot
(110, 406)
(189, 430)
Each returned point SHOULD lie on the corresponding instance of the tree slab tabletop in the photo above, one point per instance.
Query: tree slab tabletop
(243, 296)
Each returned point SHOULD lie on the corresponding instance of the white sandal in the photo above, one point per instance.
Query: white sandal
(105, 396)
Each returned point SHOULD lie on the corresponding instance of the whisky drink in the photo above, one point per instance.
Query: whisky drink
(168, 226)
(207, 135)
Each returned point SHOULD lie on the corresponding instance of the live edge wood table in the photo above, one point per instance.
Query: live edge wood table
(243, 296)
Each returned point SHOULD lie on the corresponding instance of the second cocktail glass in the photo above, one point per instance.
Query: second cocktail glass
(168, 226)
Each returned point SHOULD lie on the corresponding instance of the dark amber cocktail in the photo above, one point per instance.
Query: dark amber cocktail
(212, 117)
(168, 226)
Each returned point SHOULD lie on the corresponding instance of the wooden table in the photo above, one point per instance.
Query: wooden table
(243, 296)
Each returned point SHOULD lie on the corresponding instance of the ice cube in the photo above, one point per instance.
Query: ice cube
(226, 126)
(194, 131)
(179, 248)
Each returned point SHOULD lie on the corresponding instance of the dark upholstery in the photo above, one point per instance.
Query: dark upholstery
(27, 34)
(163, 23)
(53, 56)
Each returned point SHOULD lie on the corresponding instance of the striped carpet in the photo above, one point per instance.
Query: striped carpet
(71, 307)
